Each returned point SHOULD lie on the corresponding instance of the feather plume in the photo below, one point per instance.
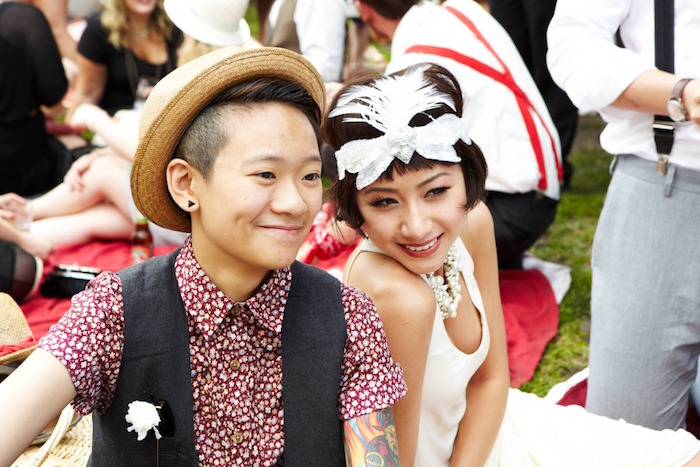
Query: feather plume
(390, 102)
(388, 105)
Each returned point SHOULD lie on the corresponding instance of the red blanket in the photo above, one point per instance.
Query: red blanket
(531, 316)
(530, 309)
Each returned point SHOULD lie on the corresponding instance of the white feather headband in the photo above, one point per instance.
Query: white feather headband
(389, 104)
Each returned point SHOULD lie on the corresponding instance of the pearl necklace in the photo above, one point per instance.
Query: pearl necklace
(448, 291)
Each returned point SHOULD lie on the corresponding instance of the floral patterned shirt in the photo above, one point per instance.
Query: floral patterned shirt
(236, 362)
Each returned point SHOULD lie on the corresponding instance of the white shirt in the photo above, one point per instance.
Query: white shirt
(584, 61)
(320, 26)
(491, 112)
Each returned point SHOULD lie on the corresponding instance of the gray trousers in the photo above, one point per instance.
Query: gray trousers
(645, 296)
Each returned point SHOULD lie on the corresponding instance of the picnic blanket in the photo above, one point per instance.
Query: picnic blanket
(42, 312)
(529, 304)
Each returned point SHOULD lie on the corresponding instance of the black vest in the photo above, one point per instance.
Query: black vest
(155, 366)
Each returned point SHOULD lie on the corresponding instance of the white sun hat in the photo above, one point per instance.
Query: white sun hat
(214, 22)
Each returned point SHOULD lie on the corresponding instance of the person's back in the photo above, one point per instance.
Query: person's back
(526, 22)
(31, 76)
(314, 28)
(497, 124)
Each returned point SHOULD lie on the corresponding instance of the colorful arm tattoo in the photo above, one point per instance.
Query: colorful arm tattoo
(370, 440)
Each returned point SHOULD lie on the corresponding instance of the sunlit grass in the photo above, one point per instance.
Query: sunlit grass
(568, 242)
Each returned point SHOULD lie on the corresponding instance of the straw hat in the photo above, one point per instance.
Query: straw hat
(214, 22)
(14, 331)
(180, 96)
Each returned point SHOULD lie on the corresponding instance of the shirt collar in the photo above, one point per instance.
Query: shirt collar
(208, 306)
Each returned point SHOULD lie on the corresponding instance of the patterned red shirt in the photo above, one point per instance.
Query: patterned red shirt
(236, 362)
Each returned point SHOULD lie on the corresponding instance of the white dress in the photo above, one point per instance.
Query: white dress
(534, 432)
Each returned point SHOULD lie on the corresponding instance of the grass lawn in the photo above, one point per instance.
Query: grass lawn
(568, 242)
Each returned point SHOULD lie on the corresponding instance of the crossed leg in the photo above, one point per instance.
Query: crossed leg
(99, 210)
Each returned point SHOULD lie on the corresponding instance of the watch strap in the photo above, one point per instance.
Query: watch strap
(677, 93)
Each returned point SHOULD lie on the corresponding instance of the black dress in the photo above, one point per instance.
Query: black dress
(118, 93)
(31, 75)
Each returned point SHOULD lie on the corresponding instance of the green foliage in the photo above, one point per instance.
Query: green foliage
(568, 241)
(251, 18)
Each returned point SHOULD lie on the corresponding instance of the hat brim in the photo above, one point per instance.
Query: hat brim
(180, 96)
(15, 332)
(194, 27)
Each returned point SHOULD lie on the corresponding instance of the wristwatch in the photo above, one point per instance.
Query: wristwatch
(674, 105)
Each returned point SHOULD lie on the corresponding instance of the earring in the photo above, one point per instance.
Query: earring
(190, 203)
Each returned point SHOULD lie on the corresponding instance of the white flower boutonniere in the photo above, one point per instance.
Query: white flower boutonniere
(143, 416)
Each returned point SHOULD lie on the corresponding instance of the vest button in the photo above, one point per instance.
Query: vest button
(237, 438)
(234, 364)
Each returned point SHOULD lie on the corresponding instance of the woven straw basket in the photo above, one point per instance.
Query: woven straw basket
(66, 447)
(69, 443)
(14, 329)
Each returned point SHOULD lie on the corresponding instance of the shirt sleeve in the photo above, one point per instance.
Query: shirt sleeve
(371, 381)
(320, 26)
(583, 58)
(89, 339)
(93, 43)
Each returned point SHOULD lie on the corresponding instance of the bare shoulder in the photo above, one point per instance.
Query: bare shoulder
(398, 294)
(478, 233)
(479, 226)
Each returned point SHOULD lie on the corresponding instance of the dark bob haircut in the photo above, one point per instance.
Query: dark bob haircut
(337, 132)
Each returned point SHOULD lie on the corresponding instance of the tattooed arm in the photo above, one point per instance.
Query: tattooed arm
(371, 440)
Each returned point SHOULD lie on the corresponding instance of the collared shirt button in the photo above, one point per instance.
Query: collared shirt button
(234, 364)
(236, 311)
(237, 437)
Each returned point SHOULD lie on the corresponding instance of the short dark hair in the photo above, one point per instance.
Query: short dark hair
(207, 134)
(391, 9)
(338, 131)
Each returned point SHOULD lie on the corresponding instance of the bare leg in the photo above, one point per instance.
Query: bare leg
(105, 182)
(31, 243)
(103, 221)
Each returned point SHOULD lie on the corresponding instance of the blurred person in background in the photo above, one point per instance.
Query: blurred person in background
(645, 262)
(208, 25)
(526, 21)
(95, 201)
(316, 29)
(33, 82)
(125, 49)
(56, 13)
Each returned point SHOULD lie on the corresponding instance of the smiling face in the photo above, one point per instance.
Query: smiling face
(261, 195)
(417, 216)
